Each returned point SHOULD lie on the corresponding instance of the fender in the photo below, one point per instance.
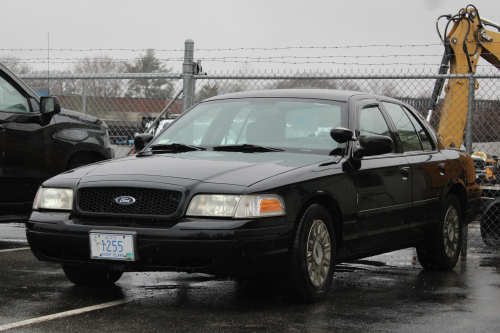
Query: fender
(451, 183)
(83, 146)
(318, 196)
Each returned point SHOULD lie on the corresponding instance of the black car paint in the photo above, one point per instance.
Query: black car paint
(363, 197)
(36, 146)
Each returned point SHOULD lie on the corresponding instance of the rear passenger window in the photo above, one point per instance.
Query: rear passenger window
(422, 133)
(407, 133)
(372, 122)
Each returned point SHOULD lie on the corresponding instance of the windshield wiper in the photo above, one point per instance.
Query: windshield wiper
(173, 148)
(246, 148)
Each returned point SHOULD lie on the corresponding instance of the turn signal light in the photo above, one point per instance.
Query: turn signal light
(270, 206)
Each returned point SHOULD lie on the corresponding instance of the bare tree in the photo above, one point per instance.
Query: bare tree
(100, 64)
(16, 65)
(307, 83)
(315, 84)
(384, 87)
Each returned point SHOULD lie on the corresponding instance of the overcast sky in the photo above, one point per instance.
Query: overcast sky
(230, 24)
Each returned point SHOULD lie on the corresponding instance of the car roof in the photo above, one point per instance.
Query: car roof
(336, 95)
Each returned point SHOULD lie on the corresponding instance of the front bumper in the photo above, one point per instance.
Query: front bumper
(219, 247)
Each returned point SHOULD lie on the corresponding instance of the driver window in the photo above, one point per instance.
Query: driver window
(371, 122)
(11, 99)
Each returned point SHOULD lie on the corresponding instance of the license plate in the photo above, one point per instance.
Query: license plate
(112, 246)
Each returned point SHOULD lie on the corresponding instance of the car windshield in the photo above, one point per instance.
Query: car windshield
(289, 124)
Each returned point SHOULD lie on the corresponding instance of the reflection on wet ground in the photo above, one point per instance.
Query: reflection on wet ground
(386, 293)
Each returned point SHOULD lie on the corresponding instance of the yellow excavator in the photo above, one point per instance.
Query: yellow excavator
(465, 41)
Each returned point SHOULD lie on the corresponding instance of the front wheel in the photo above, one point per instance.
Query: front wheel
(312, 260)
(85, 276)
(442, 251)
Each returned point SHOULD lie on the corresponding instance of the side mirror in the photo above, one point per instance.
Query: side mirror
(50, 104)
(373, 145)
(341, 134)
(141, 140)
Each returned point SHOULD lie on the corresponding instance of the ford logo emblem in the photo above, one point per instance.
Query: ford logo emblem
(125, 200)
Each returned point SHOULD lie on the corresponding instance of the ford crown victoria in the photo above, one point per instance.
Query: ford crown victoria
(287, 181)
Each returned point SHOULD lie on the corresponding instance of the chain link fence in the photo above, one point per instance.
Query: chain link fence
(129, 103)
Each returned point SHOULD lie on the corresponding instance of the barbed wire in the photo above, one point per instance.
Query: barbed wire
(239, 57)
(224, 59)
(227, 49)
(260, 61)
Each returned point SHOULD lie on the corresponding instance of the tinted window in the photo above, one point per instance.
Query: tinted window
(422, 133)
(11, 99)
(372, 122)
(407, 133)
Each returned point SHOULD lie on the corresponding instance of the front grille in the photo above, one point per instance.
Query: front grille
(147, 201)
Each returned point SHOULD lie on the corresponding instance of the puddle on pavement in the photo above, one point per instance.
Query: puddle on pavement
(160, 287)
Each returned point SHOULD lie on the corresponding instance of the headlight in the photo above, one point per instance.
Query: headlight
(237, 206)
(53, 198)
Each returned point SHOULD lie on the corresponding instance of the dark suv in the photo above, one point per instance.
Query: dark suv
(39, 140)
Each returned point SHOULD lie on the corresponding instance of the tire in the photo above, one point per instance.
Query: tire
(85, 276)
(312, 259)
(441, 252)
(490, 224)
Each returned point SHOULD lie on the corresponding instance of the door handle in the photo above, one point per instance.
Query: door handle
(442, 167)
(2, 128)
(405, 170)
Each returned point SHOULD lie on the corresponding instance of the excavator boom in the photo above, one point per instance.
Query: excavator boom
(467, 40)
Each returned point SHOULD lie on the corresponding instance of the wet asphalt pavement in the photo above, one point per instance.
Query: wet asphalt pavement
(387, 293)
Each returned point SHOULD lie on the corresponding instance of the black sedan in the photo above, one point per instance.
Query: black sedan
(287, 181)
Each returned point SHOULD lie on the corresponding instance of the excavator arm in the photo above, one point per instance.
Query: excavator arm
(467, 40)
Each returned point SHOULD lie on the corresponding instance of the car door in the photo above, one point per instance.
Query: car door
(24, 157)
(384, 185)
(429, 168)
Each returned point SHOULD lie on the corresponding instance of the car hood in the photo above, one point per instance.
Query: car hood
(78, 117)
(242, 169)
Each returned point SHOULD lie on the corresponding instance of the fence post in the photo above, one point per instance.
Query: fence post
(187, 75)
(470, 114)
(468, 148)
(84, 96)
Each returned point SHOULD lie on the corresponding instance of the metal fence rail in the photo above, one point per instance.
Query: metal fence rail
(129, 103)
